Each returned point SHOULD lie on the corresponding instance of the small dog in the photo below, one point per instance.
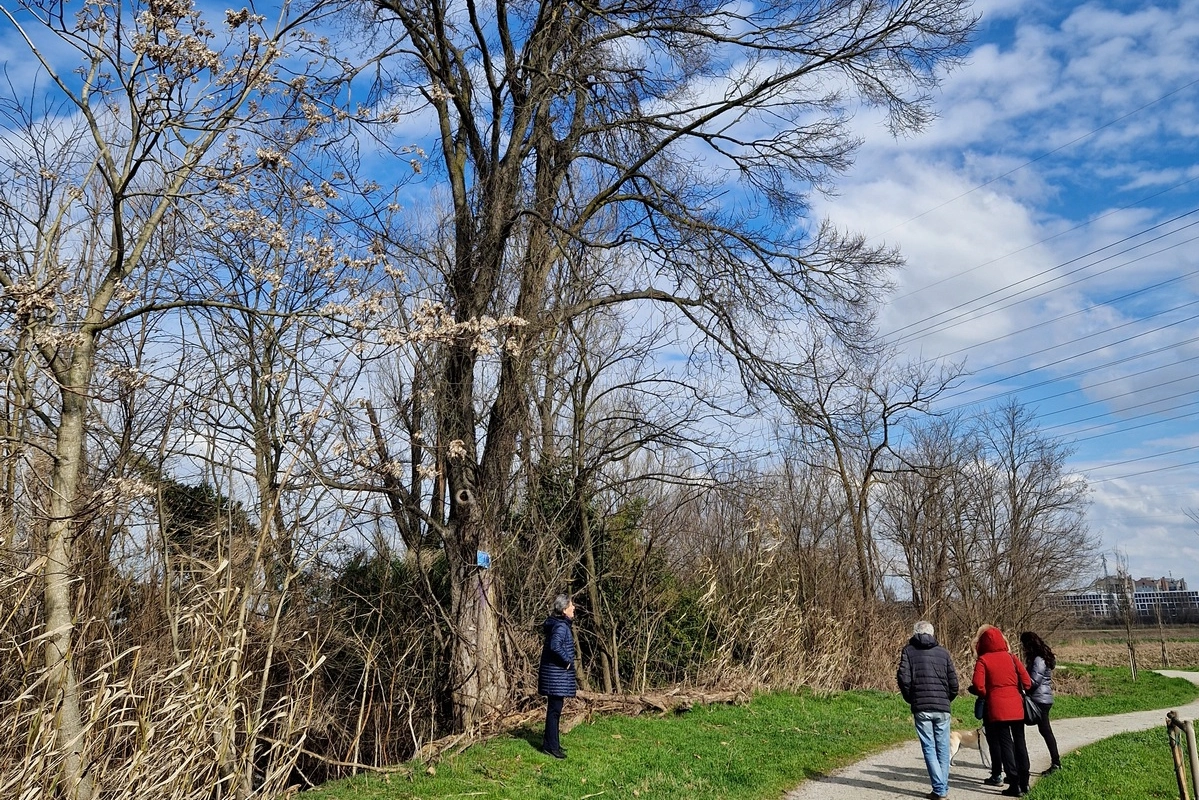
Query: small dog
(974, 738)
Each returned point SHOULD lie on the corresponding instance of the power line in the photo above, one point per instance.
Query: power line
(1144, 472)
(1109, 398)
(1154, 402)
(1176, 451)
(1068, 376)
(1063, 317)
(1090, 336)
(972, 313)
(1128, 428)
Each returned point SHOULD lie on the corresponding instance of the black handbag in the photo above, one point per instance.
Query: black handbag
(980, 707)
(1032, 711)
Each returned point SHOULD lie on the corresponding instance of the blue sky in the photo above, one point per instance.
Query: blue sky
(1050, 222)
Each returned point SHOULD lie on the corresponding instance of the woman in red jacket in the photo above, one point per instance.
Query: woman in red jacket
(998, 677)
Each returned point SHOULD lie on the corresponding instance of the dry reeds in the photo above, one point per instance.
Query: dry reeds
(197, 720)
(772, 634)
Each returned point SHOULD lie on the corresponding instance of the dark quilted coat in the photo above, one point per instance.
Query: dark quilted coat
(926, 677)
(556, 673)
(997, 676)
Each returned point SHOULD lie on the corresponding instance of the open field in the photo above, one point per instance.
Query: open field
(1108, 648)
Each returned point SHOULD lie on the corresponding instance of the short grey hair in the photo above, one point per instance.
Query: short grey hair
(561, 602)
(923, 626)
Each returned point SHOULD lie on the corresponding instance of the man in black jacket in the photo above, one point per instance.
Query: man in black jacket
(928, 681)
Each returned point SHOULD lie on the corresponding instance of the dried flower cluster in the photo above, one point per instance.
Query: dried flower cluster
(173, 35)
(433, 322)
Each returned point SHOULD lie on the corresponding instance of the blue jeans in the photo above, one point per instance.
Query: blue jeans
(932, 728)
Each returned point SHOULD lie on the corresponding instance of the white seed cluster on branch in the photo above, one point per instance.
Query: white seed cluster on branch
(272, 158)
(123, 490)
(34, 298)
(128, 377)
(235, 19)
(161, 40)
(433, 322)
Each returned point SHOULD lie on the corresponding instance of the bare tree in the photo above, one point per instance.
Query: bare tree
(156, 93)
(580, 124)
(921, 516)
(1126, 607)
(1033, 532)
(618, 401)
(990, 521)
(851, 407)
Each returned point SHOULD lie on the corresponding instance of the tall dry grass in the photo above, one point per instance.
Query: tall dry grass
(218, 708)
(776, 630)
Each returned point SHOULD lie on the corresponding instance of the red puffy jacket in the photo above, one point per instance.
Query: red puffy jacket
(997, 673)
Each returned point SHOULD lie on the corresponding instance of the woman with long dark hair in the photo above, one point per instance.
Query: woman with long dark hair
(1040, 663)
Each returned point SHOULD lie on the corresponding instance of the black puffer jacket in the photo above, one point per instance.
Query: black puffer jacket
(556, 673)
(926, 677)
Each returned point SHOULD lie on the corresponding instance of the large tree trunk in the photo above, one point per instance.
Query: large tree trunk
(478, 676)
(478, 680)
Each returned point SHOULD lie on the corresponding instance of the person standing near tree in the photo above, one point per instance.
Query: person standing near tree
(928, 681)
(556, 672)
(998, 679)
(1040, 662)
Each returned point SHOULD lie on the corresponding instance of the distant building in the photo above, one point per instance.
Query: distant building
(1092, 603)
(1110, 595)
(1160, 585)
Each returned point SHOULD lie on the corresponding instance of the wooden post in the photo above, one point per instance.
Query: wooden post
(1173, 726)
(1193, 752)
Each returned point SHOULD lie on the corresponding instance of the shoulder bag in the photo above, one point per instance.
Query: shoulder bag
(1032, 711)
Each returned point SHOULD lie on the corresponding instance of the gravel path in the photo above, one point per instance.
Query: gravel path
(900, 773)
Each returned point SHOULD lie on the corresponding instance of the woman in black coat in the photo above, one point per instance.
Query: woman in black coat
(556, 672)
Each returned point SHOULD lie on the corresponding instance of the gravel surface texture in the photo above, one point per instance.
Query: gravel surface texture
(900, 773)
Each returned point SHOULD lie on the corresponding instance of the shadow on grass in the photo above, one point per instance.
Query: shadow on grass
(531, 735)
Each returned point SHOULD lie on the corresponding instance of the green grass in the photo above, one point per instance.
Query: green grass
(758, 750)
(1130, 766)
(1115, 692)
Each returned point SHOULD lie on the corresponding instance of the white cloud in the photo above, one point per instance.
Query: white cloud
(1057, 138)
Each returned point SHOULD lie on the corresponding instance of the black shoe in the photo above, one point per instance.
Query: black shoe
(1052, 769)
(1013, 791)
(994, 780)
(554, 753)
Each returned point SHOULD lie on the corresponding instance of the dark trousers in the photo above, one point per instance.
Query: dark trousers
(553, 717)
(1047, 733)
(1013, 751)
(994, 752)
